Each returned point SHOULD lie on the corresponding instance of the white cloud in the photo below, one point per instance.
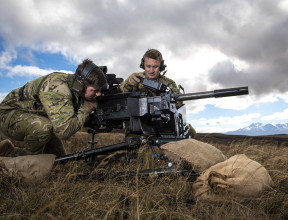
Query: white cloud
(31, 71)
(197, 62)
(223, 124)
(6, 57)
(235, 120)
(192, 35)
(277, 116)
(232, 103)
(284, 96)
(283, 5)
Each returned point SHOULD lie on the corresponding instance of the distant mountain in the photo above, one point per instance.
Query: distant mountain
(258, 129)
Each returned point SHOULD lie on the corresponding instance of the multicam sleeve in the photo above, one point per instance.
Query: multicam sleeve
(57, 102)
(172, 85)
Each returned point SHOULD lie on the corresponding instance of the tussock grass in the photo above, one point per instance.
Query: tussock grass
(60, 196)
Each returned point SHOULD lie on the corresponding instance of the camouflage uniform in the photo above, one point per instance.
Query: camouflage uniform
(42, 113)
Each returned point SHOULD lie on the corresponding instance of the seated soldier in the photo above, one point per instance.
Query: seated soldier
(153, 64)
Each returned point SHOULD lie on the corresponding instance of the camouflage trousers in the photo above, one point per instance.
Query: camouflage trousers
(34, 130)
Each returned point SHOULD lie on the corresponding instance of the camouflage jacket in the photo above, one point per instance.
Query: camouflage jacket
(125, 87)
(54, 100)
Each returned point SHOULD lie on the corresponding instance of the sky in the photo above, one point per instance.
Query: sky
(206, 45)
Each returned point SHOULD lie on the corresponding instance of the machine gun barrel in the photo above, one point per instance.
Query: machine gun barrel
(212, 94)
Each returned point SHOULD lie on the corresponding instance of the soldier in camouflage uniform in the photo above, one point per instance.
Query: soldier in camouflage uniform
(49, 109)
(153, 63)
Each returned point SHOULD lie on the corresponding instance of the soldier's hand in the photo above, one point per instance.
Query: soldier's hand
(134, 79)
(91, 105)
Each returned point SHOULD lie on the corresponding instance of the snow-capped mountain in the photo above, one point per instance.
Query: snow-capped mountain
(258, 129)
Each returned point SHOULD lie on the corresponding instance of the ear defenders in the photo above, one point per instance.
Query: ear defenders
(78, 83)
(161, 68)
(87, 70)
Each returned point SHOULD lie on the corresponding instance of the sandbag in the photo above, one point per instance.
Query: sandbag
(238, 178)
(201, 155)
(28, 168)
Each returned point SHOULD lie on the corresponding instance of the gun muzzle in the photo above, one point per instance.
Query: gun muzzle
(231, 92)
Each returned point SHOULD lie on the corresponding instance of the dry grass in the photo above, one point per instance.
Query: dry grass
(60, 197)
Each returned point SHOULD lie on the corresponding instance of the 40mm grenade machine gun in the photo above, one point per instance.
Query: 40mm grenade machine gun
(155, 120)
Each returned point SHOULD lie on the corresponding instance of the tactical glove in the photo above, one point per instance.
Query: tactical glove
(134, 80)
(91, 105)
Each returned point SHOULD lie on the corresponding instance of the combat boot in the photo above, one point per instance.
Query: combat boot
(6, 148)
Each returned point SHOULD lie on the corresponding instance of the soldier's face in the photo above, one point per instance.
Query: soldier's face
(152, 68)
(91, 93)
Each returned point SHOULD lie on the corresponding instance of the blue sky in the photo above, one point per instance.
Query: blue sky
(206, 45)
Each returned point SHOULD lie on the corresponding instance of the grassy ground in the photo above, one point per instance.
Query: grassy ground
(59, 196)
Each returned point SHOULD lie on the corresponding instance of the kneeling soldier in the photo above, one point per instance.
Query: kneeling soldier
(49, 109)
